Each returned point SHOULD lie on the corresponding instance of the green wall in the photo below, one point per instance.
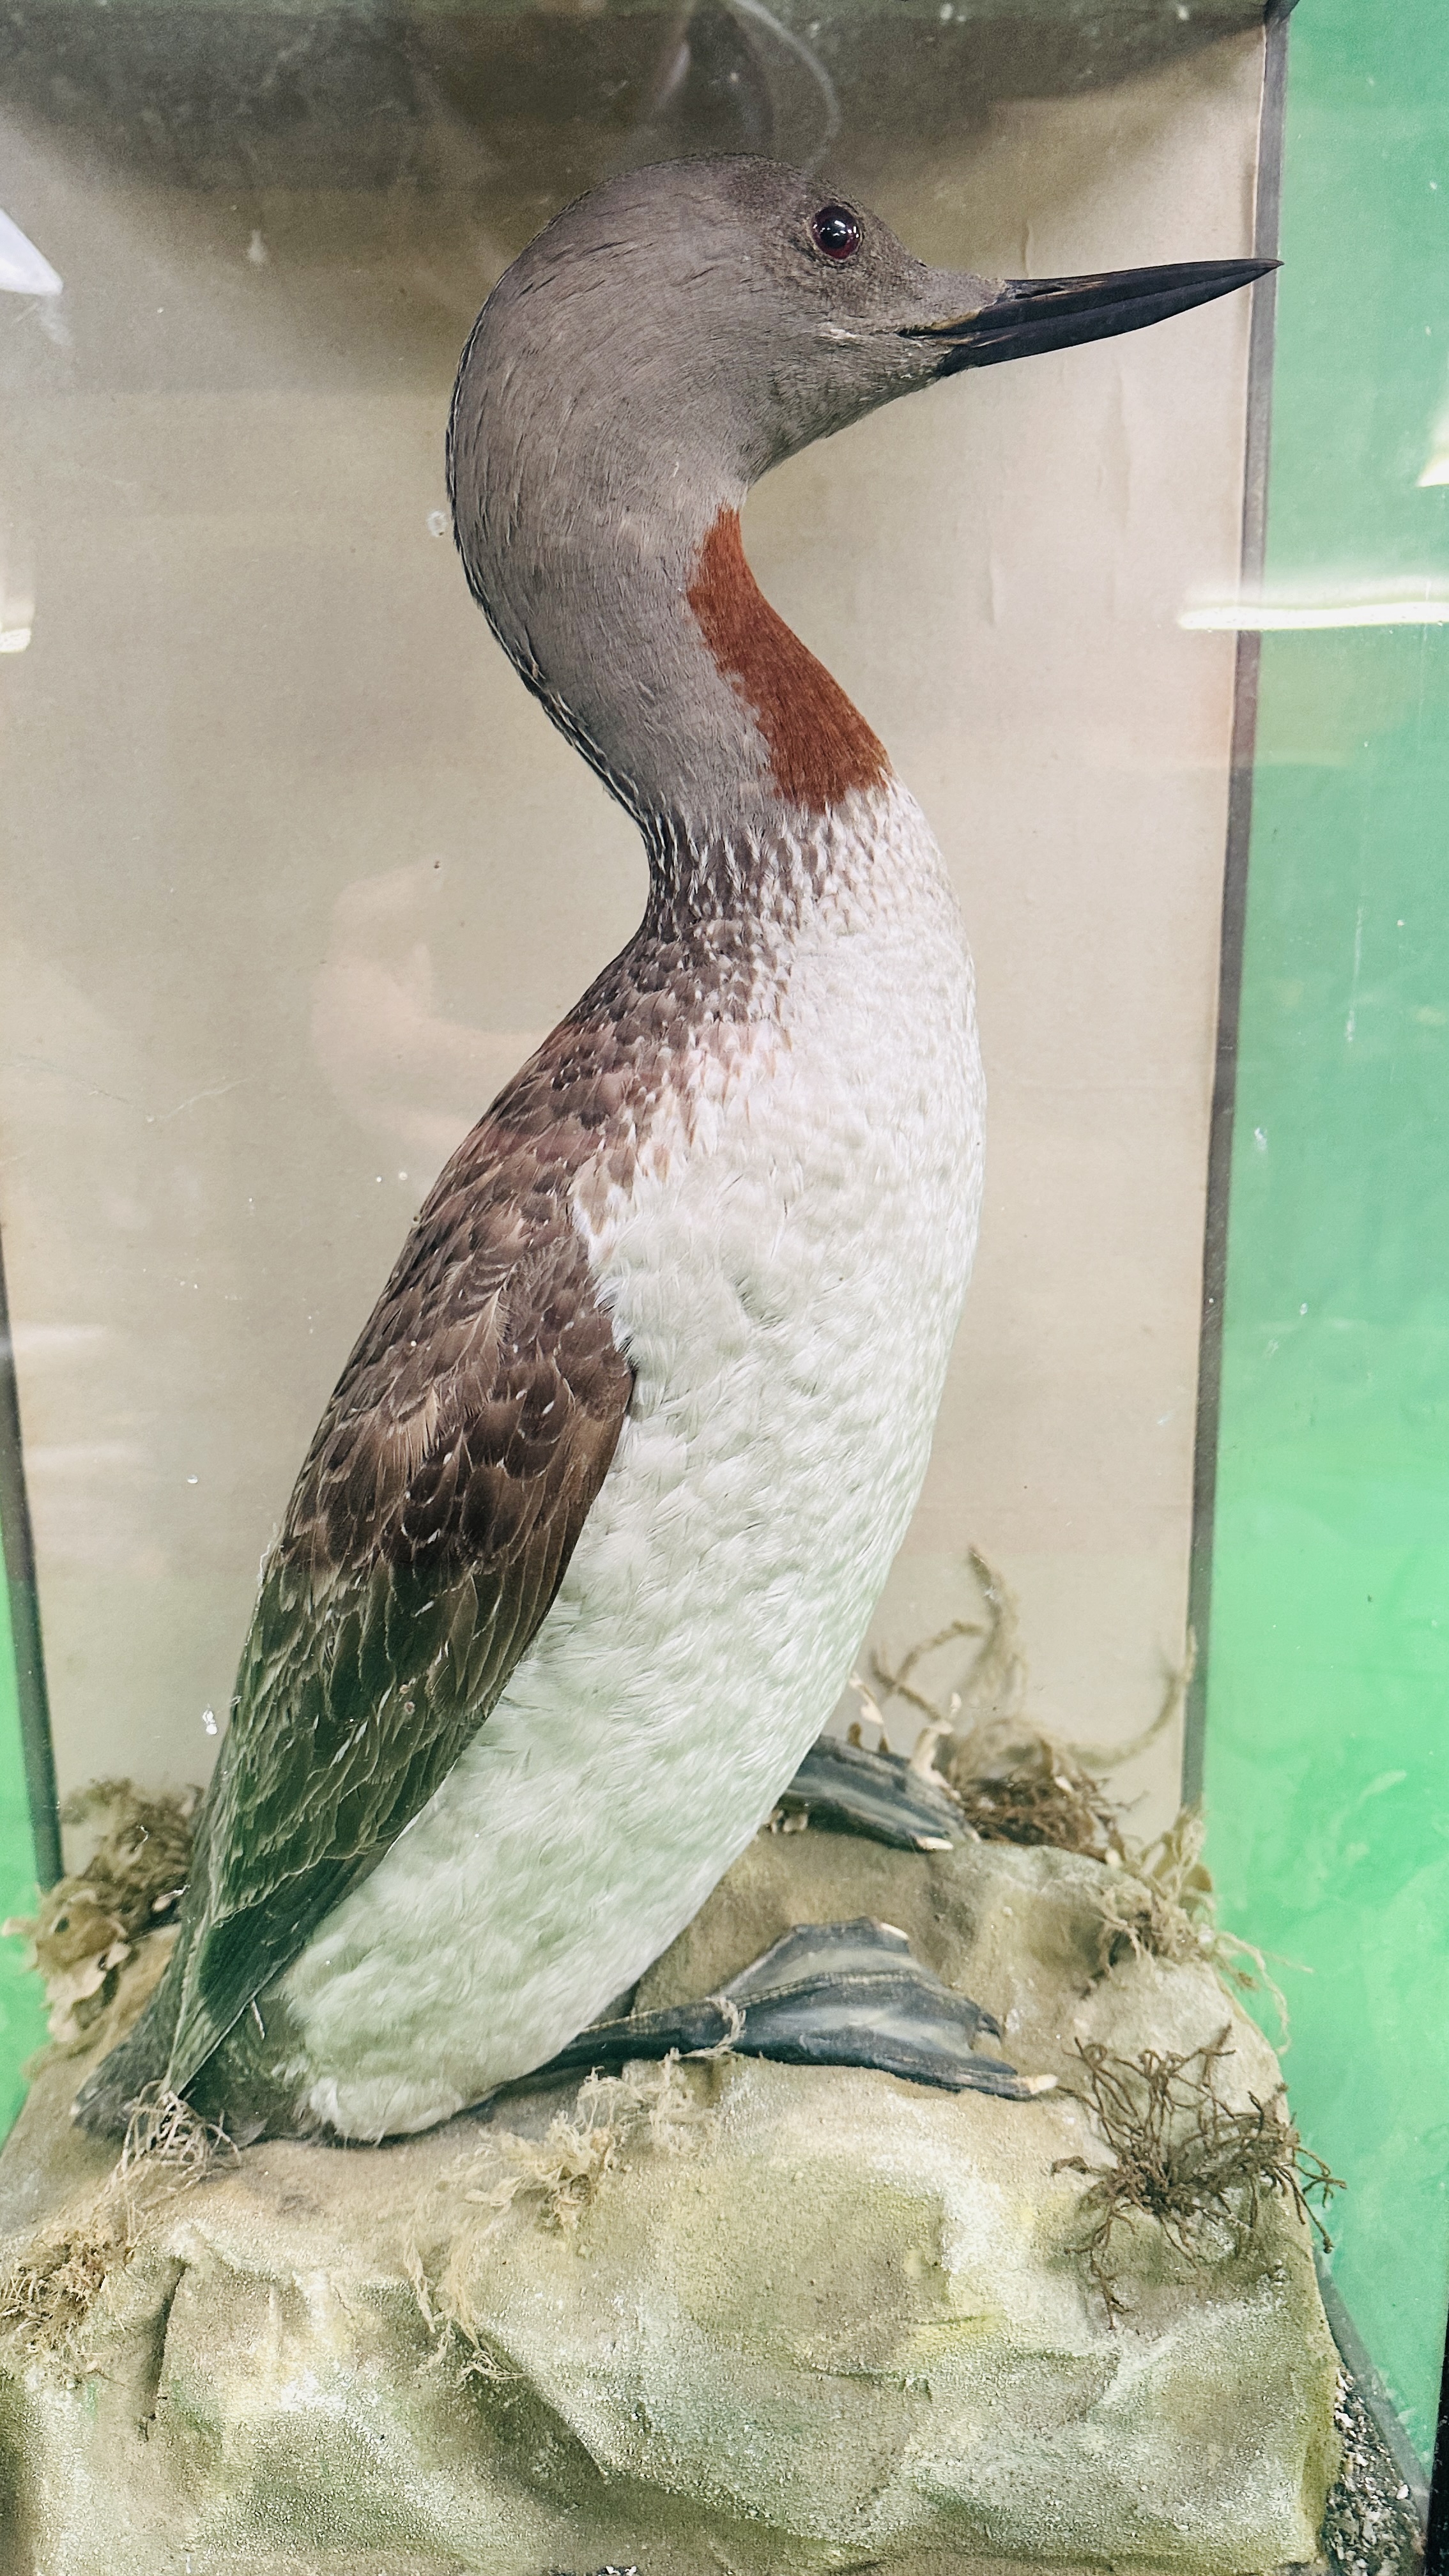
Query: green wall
(22, 2019)
(1327, 1762)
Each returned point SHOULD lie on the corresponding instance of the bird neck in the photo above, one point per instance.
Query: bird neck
(633, 616)
(818, 747)
(764, 841)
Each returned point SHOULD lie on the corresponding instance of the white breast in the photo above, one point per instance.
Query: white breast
(786, 1272)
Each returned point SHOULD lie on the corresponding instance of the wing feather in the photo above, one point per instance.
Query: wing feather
(426, 1538)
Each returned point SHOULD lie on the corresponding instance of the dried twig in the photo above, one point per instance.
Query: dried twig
(1185, 2159)
(1110, 1757)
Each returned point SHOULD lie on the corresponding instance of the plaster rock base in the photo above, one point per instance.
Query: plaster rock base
(733, 2315)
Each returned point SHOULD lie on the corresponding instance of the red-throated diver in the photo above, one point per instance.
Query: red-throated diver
(621, 1460)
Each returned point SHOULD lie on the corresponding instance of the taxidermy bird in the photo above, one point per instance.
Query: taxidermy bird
(581, 1554)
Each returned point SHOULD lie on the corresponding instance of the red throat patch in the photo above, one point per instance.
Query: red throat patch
(819, 745)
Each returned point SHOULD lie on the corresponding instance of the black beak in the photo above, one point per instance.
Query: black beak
(1035, 313)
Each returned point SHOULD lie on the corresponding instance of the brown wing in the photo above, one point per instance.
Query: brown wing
(426, 1538)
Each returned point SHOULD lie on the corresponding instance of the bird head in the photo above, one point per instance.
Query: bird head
(665, 341)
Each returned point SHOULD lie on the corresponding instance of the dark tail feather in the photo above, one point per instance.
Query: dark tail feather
(109, 2094)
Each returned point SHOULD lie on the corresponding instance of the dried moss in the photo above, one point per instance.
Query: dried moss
(46, 2298)
(1017, 1787)
(563, 2172)
(1016, 1782)
(90, 1922)
(1162, 1904)
(557, 2178)
(1185, 2159)
(49, 2297)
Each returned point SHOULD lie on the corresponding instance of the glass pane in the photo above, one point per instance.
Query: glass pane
(1325, 1757)
(854, 2252)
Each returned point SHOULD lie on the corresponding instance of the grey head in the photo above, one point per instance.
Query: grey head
(654, 351)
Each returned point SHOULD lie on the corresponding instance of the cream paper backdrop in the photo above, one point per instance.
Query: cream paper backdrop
(296, 872)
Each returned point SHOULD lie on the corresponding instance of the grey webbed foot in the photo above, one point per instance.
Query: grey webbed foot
(876, 1794)
(826, 1994)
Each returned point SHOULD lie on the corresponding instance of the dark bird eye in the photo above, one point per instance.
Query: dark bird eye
(836, 232)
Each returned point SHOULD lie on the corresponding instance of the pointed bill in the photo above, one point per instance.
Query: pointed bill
(1029, 314)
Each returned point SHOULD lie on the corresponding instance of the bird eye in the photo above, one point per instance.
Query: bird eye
(836, 232)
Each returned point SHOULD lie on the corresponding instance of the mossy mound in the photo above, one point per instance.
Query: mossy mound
(737, 2315)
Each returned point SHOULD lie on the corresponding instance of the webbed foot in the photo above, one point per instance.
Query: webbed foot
(826, 1994)
(876, 1794)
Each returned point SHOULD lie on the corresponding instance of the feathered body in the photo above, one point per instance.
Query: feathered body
(779, 1220)
(587, 1538)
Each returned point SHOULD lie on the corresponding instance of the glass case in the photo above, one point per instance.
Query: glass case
(297, 876)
